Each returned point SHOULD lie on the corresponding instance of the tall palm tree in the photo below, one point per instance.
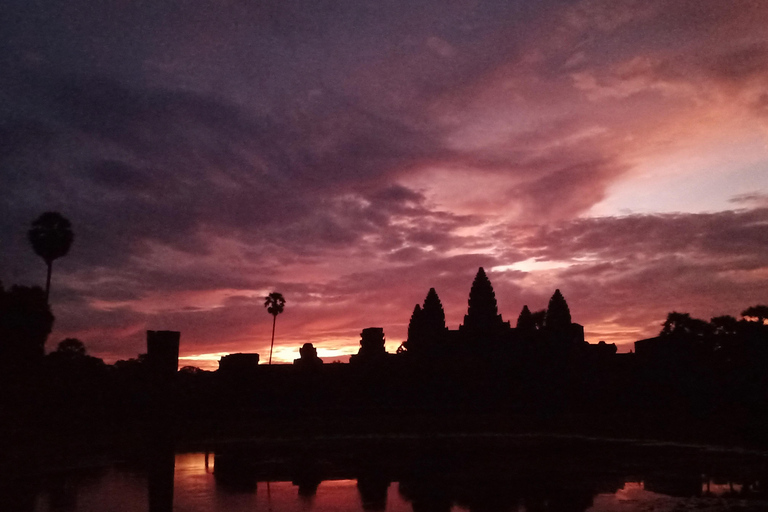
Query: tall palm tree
(51, 236)
(275, 303)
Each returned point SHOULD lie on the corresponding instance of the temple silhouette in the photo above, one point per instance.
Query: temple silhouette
(695, 379)
(484, 334)
(453, 415)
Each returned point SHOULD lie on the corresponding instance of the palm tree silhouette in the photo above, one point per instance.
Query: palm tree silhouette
(51, 236)
(275, 303)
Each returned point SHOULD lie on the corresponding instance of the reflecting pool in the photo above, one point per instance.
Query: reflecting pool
(416, 474)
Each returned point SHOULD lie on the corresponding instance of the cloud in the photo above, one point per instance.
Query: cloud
(352, 157)
(736, 234)
(607, 15)
(567, 192)
(632, 270)
(751, 199)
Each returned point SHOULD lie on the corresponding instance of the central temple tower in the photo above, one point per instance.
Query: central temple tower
(483, 319)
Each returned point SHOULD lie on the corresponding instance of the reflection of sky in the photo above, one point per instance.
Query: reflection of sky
(721, 489)
(195, 490)
(634, 497)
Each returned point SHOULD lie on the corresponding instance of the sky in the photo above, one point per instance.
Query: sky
(351, 155)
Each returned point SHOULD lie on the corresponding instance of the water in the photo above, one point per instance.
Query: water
(483, 475)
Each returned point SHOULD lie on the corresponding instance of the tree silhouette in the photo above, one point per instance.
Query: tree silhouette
(725, 325)
(51, 237)
(539, 318)
(758, 312)
(682, 324)
(275, 303)
(71, 347)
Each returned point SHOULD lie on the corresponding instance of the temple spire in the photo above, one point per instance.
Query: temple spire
(427, 327)
(526, 322)
(433, 315)
(482, 316)
(558, 313)
(415, 327)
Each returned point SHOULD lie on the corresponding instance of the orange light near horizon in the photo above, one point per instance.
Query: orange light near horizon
(280, 355)
(208, 361)
(193, 464)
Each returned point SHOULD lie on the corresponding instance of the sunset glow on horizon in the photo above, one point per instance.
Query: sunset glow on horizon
(352, 157)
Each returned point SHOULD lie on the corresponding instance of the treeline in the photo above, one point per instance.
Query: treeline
(723, 340)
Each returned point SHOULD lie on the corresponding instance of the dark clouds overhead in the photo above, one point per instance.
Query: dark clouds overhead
(354, 154)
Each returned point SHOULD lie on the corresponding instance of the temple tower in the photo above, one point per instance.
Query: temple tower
(372, 348)
(427, 327)
(483, 318)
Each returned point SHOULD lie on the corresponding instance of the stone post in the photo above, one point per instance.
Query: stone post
(163, 353)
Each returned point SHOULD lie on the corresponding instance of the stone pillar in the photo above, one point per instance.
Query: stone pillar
(163, 353)
(163, 363)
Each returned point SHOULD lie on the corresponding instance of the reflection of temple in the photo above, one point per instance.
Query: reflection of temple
(373, 491)
(529, 476)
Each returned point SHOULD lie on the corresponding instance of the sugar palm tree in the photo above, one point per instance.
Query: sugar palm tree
(51, 237)
(275, 303)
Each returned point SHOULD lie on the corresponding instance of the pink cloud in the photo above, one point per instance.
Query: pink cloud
(352, 160)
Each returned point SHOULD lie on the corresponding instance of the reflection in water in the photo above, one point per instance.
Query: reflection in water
(240, 479)
(714, 488)
(373, 491)
(308, 478)
(17, 495)
(161, 477)
(235, 474)
(674, 485)
(82, 490)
